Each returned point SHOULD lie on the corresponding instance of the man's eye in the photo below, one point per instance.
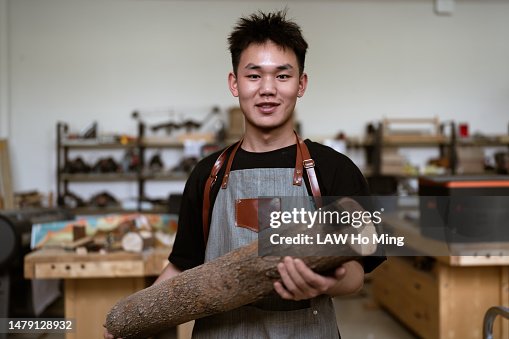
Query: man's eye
(283, 76)
(253, 76)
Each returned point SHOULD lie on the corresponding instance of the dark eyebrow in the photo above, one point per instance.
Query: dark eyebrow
(281, 68)
(252, 66)
(284, 67)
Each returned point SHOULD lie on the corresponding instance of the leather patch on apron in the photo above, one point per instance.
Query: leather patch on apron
(254, 213)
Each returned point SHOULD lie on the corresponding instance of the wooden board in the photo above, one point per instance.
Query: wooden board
(58, 264)
(6, 193)
(414, 140)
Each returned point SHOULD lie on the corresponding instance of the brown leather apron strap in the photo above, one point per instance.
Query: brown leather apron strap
(297, 173)
(309, 165)
(208, 185)
(224, 184)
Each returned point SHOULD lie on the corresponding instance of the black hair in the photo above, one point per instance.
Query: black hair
(261, 27)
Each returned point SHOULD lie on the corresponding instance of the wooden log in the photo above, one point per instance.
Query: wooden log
(235, 279)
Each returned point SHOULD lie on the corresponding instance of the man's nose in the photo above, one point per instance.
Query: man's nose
(268, 86)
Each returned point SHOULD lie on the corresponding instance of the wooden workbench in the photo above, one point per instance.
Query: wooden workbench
(94, 282)
(439, 296)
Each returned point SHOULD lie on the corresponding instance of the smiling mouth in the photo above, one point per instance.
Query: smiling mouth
(267, 107)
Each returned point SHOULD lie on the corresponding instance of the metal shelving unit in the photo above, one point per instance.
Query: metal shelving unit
(140, 176)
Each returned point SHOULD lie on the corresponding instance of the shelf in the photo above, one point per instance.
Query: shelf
(92, 210)
(164, 176)
(99, 177)
(504, 139)
(400, 141)
(94, 145)
(414, 141)
(161, 143)
(156, 209)
(176, 142)
(139, 144)
(501, 140)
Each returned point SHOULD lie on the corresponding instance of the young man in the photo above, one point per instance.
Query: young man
(268, 54)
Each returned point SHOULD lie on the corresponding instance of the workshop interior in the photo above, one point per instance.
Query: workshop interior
(107, 106)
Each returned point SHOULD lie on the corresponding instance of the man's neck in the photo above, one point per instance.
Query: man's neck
(259, 141)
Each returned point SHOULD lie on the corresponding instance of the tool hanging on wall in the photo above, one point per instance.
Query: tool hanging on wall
(189, 125)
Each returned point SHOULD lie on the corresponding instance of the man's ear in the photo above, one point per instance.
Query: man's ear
(232, 84)
(303, 84)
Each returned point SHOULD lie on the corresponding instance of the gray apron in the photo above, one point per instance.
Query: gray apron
(272, 317)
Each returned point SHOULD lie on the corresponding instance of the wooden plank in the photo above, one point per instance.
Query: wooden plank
(433, 120)
(60, 255)
(106, 269)
(6, 193)
(57, 263)
(412, 135)
(414, 140)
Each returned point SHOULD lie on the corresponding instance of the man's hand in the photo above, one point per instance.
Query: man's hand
(299, 282)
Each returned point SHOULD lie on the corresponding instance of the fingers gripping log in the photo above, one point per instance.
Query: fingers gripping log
(228, 282)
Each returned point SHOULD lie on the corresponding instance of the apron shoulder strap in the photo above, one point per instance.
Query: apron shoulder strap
(210, 182)
(309, 164)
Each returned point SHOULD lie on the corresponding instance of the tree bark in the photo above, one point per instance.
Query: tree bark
(235, 279)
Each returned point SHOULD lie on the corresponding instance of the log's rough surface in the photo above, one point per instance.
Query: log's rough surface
(233, 280)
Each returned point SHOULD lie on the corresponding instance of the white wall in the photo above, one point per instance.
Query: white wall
(85, 60)
(4, 71)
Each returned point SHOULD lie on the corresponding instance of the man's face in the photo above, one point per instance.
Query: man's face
(267, 85)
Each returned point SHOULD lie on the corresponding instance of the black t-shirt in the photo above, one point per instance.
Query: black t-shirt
(337, 176)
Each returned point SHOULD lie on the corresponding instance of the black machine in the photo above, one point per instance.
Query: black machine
(15, 231)
(465, 209)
